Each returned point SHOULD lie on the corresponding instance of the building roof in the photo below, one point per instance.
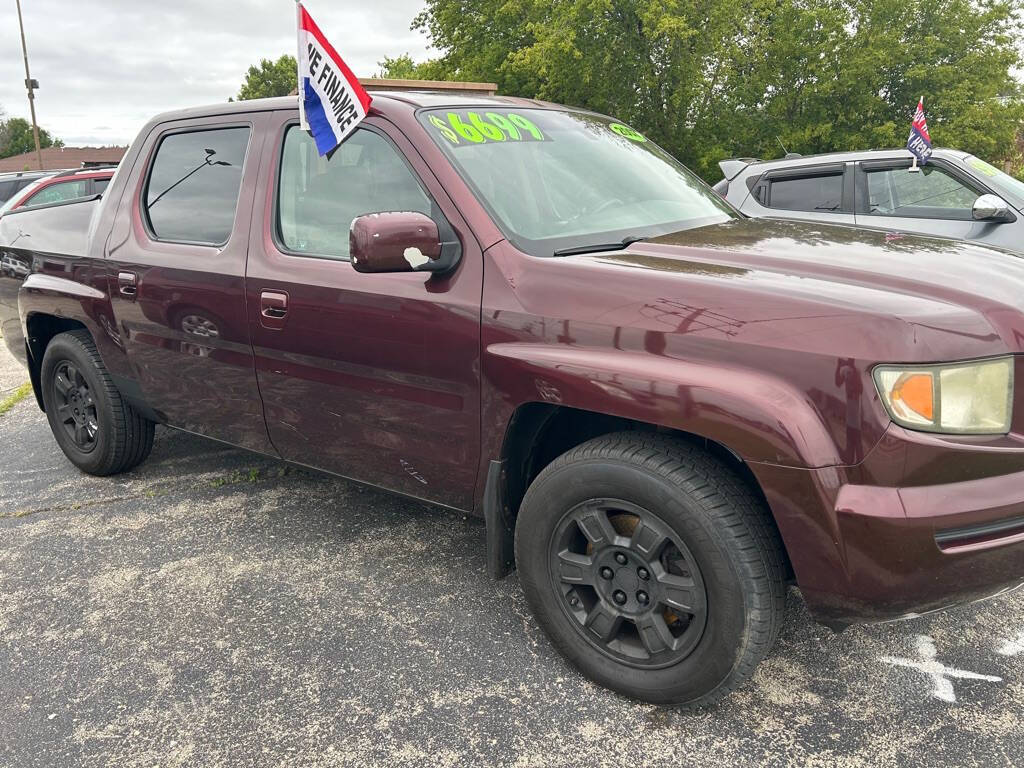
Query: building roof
(449, 86)
(55, 158)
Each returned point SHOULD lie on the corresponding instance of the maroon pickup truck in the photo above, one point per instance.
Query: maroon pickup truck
(666, 413)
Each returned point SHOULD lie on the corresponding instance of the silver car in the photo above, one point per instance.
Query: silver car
(955, 195)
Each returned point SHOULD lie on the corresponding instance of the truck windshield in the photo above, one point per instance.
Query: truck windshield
(1007, 186)
(555, 180)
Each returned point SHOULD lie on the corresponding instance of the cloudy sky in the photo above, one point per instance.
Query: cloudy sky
(105, 67)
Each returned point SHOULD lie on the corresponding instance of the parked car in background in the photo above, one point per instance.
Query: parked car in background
(12, 183)
(664, 412)
(62, 187)
(955, 195)
(11, 267)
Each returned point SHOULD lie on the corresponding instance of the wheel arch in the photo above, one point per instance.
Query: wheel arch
(540, 432)
(40, 329)
(49, 305)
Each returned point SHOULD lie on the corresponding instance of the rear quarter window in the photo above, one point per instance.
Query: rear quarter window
(807, 193)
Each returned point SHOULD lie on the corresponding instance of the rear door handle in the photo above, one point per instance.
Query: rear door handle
(128, 284)
(273, 309)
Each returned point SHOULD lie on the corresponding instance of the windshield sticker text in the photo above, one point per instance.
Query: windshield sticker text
(466, 128)
(626, 132)
(982, 167)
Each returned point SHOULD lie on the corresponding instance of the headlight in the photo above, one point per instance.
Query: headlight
(963, 398)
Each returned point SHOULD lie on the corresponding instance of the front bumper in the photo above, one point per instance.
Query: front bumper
(924, 523)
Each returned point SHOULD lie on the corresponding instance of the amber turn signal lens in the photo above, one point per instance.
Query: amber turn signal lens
(916, 391)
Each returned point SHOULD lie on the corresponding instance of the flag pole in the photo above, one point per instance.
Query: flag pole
(303, 124)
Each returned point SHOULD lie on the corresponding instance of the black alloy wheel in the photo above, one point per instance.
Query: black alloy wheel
(629, 583)
(76, 408)
(98, 430)
(653, 567)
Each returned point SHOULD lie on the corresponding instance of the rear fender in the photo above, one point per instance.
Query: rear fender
(47, 303)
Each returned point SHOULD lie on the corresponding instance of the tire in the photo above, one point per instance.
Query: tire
(97, 429)
(683, 531)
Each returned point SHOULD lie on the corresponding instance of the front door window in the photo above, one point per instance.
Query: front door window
(929, 192)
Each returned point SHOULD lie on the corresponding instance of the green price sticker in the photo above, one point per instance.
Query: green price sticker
(465, 128)
(626, 132)
(982, 167)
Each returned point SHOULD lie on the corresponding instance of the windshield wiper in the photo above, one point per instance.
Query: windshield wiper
(576, 250)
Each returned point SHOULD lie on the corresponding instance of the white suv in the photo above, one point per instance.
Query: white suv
(955, 195)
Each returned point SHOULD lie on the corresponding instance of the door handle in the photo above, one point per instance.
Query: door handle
(128, 284)
(273, 308)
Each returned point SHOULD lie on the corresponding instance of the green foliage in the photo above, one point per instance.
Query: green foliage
(404, 68)
(16, 138)
(270, 78)
(15, 397)
(710, 79)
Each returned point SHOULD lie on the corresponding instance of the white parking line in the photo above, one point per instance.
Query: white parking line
(939, 673)
(1012, 647)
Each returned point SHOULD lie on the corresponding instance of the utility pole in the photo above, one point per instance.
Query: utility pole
(31, 85)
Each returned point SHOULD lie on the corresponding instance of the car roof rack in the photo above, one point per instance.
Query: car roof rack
(84, 169)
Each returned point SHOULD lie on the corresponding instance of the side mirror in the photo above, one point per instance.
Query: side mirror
(991, 208)
(399, 241)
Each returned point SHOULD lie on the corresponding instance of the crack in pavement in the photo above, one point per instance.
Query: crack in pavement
(73, 507)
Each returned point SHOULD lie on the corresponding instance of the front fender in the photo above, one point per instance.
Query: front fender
(755, 414)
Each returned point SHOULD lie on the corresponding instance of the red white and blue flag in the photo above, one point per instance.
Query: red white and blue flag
(920, 142)
(331, 100)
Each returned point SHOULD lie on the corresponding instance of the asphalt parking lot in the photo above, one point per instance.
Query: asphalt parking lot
(215, 608)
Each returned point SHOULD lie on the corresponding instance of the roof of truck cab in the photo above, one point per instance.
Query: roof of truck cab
(382, 101)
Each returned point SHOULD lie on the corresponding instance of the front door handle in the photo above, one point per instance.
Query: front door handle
(273, 309)
(128, 284)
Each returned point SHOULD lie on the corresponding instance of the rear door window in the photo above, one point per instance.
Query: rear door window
(821, 192)
(929, 192)
(192, 191)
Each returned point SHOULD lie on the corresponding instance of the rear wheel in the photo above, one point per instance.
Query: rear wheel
(652, 567)
(95, 427)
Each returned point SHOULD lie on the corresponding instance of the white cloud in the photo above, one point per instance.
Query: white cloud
(106, 67)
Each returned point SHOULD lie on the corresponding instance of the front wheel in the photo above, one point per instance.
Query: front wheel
(652, 567)
(95, 427)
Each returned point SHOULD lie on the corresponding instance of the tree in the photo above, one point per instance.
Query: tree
(270, 78)
(710, 80)
(404, 68)
(16, 138)
(399, 68)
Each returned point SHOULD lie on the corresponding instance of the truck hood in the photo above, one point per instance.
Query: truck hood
(960, 300)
